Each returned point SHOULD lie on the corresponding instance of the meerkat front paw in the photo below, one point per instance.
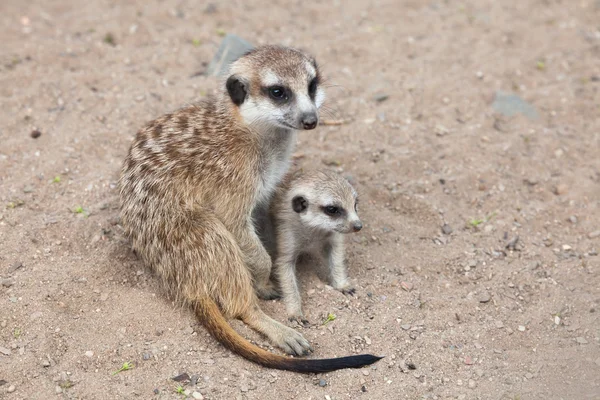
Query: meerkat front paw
(293, 343)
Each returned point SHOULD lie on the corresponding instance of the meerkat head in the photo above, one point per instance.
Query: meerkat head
(276, 86)
(325, 201)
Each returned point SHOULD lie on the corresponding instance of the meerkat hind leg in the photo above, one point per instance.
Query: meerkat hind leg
(286, 338)
(259, 263)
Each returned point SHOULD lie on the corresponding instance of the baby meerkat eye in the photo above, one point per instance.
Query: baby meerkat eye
(277, 93)
(312, 87)
(332, 210)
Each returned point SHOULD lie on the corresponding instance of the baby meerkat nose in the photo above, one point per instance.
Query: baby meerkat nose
(309, 121)
(357, 226)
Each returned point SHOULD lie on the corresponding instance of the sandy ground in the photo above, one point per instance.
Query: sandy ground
(466, 314)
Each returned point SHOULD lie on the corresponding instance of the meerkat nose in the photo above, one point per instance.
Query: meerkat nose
(357, 226)
(309, 120)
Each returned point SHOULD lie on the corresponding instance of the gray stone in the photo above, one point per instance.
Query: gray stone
(15, 266)
(594, 235)
(510, 104)
(5, 351)
(581, 340)
(7, 282)
(484, 297)
(446, 229)
(232, 47)
(322, 382)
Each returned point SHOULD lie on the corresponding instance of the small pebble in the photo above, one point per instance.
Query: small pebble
(45, 363)
(521, 328)
(197, 395)
(472, 384)
(7, 282)
(58, 390)
(89, 353)
(5, 351)
(365, 372)
(322, 382)
(594, 235)
(557, 320)
(484, 297)
(11, 388)
(529, 375)
(560, 189)
(581, 340)
(446, 229)
(405, 327)
(499, 324)
(380, 97)
(327, 397)
(35, 134)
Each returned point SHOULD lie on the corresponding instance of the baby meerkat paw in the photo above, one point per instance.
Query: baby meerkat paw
(268, 292)
(299, 319)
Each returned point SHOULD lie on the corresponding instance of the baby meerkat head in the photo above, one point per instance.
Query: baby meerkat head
(325, 201)
(276, 86)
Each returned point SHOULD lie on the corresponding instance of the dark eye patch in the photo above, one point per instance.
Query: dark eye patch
(312, 87)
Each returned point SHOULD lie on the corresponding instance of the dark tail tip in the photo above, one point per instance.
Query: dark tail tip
(332, 364)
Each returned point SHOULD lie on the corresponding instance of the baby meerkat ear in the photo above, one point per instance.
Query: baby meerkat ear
(299, 204)
(237, 90)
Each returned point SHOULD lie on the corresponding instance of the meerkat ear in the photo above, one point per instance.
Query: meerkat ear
(299, 204)
(236, 89)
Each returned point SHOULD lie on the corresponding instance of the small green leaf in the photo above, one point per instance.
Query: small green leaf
(330, 317)
(125, 367)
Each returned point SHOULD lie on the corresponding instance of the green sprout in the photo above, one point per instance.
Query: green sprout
(56, 179)
(80, 210)
(196, 42)
(330, 317)
(17, 333)
(109, 39)
(541, 65)
(221, 32)
(475, 222)
(180, 390)
(125, 367)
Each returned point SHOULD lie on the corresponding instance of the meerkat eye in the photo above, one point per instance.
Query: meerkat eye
(312, 87)
(277, 93)
(331, 210)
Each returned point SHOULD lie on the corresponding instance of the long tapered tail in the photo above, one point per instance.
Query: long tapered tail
(211, 317)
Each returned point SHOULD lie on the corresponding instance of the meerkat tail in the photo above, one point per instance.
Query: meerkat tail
(211, 317)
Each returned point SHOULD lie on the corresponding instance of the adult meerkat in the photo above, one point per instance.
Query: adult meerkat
(191, 182)
(309, 215)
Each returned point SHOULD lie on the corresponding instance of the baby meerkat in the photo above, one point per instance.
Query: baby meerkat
(192, 181)
(309, 215)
